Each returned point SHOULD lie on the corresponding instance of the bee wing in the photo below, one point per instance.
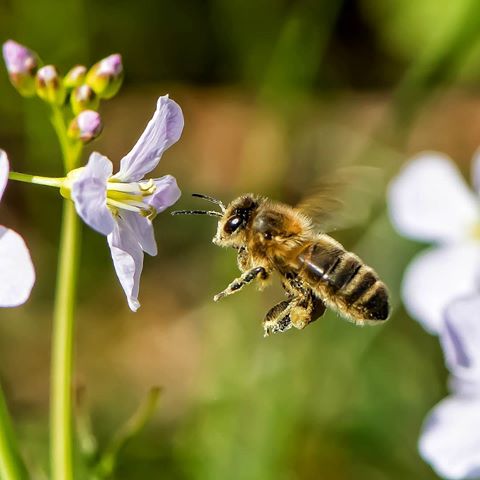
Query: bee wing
(344, 198)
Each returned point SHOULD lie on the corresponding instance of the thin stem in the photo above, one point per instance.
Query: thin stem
(61, 398)
(58, 122)
(27, 178)
(11, 467)
(61, 443)
(71, 149)
(130, 429)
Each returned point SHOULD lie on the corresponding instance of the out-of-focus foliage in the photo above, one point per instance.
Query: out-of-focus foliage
(427, 30)
(275, 94)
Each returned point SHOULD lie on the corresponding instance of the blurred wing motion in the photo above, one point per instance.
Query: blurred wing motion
(344, 198)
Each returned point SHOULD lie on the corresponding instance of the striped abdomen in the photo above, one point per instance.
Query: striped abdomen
(343, 281)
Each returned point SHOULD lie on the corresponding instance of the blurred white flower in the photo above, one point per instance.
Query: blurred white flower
(450, 440)
(17, 274)
(429, 201)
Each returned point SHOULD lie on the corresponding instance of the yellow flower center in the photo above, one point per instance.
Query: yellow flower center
(120, 195)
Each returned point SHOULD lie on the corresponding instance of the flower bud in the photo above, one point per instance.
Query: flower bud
(75, 77)
(86, 126)
(83, 98)
(106, 76)
(49, 86)
(21, 65)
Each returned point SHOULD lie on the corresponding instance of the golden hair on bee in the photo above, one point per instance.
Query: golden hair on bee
(316, 271)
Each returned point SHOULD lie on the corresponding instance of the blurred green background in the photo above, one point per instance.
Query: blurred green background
(275, 93)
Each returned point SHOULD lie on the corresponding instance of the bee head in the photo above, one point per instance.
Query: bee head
(233, 219)
(231, 229)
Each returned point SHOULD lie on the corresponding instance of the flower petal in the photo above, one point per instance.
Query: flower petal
(127, 258)
(436, 277)
(17, 274)
(166, 193)
(4, 170)
(143, 230)
(89, 192)
(450, 440)
(430, 201)
(460, 338)
(162, 131)
(476, 171)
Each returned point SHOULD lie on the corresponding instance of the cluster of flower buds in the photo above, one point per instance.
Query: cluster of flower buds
(81, 89)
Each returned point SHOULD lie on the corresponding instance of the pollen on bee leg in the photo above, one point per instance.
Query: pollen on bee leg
(300, 317)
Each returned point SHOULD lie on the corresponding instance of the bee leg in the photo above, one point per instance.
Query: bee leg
(241, 281)
(306, 310)
(243, 259)
(277, 318)
(297, 312)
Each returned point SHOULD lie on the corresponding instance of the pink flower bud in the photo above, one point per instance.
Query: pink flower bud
(75, 76)
(106, 76)
(21, 65)
(86, 126)
(83, 98)
(112, 65)
(49, 86)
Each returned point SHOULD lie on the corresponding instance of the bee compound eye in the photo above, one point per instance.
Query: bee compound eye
(232, 224)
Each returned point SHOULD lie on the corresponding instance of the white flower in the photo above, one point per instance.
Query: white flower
(122, 206)
(450, 440)
(429, 201)
(17, 274)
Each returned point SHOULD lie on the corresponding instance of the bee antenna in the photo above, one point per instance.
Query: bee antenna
(197, 212)
(210, 199)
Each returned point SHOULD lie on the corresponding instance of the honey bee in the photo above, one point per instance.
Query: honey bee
(315, 270)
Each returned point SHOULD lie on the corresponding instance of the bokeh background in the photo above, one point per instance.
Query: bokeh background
(275, 93)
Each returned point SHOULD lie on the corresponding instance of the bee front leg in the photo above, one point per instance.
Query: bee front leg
(243, 259)
(241, 281)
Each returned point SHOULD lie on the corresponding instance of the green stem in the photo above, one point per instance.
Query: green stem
(61, 443)
(58, 122)
(130, 429)
(71, 149)
(61, 395)
(27, 178)
(11, 467)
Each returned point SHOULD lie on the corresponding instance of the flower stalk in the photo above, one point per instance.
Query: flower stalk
(61, 443)
(27, 178)
(11, 466)
(61, 396)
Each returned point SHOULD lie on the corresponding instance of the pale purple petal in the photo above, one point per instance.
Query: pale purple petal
(127, 258)
(430, 201)
(89, 192)
(450, 440)
(162, 131)
(143, 231)
(476, 171)
(166, 193)
(4, 170)
(460, 338)
(435, 278)
(17, 274)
